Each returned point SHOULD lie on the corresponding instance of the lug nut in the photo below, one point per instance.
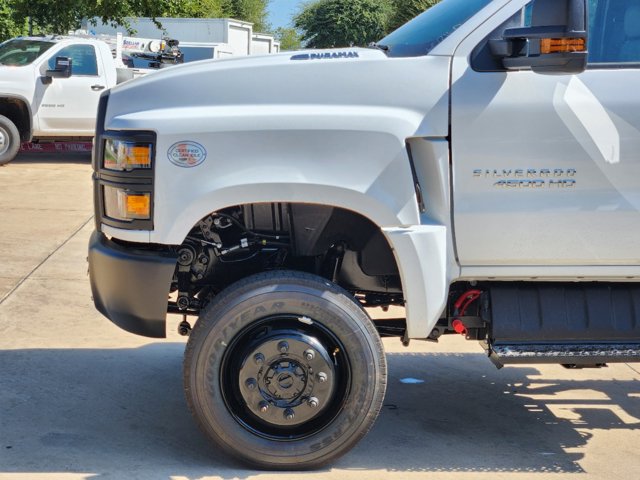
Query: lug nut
(264, 406)
(283, 347)
(289, 414)
(322, 377)
(313, 402)
(309, 355)
(258, 358)
(251, 384)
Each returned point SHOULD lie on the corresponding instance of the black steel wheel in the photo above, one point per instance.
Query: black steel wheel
(9, 140)
(285, 370)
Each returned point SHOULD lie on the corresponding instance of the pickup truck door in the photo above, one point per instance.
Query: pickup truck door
(546, 167)
(68, 106)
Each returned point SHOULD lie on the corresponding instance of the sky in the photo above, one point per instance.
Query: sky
(281, 11)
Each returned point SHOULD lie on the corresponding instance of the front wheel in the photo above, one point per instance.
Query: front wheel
(9, 140)
(285, 370)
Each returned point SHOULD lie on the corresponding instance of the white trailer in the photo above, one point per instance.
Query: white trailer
(222, 37)
(263, 44)
(194, 51)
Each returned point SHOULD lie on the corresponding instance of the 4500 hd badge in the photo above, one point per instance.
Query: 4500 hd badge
(530, 177)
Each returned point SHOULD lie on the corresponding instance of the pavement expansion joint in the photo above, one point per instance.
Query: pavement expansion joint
(633, 368)
(35, 269)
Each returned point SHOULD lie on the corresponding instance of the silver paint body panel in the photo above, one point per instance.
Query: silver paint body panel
(560, 163)
(334, 132)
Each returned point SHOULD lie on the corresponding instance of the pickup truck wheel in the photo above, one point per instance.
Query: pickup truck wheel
(9, 140)
(285, 370)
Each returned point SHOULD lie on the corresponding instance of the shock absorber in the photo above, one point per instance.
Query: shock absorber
(186, 256)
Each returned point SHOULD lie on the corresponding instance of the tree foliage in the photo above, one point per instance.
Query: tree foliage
(405, 10)
(254, 11)
(341, 23)
(60, 16)
(9, 27)
(289, 38)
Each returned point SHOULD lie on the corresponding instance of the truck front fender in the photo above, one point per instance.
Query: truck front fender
(359, 163)
(421, 254)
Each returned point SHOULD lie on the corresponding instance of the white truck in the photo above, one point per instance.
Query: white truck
(479, 167)
(50, 87)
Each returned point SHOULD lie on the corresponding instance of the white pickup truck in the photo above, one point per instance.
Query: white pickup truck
(480, 167)
(50, 87)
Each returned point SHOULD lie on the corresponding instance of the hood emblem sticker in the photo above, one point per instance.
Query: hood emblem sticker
(187, 154)
(325, 55)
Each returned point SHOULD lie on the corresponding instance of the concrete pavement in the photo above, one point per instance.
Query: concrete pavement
(81, 399)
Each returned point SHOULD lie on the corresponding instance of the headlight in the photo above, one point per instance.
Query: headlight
(123, 155)
(124, 163)
(126, 205)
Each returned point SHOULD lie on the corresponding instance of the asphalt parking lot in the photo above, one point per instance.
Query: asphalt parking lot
(81, 399)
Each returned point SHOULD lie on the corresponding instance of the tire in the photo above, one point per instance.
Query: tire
(9, 140)
(285, 370)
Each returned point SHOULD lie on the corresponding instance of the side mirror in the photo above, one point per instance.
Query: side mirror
(556, 41)
(63, 68)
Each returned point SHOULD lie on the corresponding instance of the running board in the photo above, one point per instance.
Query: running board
(575, 354)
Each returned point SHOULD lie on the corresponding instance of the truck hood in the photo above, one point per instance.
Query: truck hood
(17, 81)
(356, 77)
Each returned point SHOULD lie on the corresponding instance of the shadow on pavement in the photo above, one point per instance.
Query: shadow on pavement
(112, 412)
(51, 157)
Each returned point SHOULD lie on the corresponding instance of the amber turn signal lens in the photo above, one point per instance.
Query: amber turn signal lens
(557, 45)
(138, 206)
(125, 205)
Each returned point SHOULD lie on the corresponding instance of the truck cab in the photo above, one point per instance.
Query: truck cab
(477, 167)
(40, 99)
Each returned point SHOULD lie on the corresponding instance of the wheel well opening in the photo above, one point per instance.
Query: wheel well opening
(18, 112)
(337, 244)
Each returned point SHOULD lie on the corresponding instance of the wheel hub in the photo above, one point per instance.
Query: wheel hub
(4, 142)
(287, 379)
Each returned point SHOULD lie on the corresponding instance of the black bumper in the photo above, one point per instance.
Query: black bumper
(131, 287)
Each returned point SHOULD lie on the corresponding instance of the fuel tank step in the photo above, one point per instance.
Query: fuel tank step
(567, 323)
(578, 354)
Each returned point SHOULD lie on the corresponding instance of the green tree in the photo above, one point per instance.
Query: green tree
(189, 9)
(9, 27)
(60, 16)
(289, 38)
(48, 16)
(254, 11)
(341, 23)
(405, 10)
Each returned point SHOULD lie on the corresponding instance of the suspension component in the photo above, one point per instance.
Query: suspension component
(184, 329)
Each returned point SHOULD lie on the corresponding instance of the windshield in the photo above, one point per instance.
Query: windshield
(420, 35)
(19, 52)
